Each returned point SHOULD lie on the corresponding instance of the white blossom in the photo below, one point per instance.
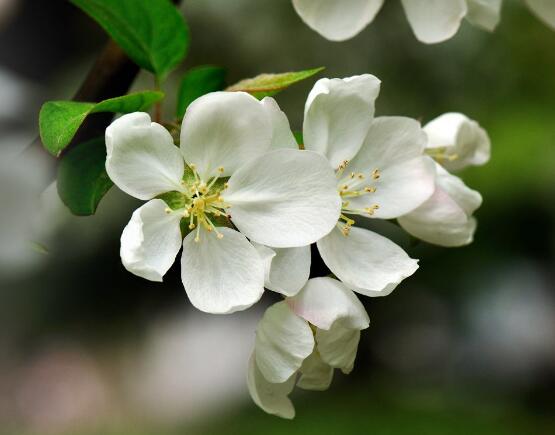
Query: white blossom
(432, 21)
(446, 218)
(382, 172)
(301, 340)
(275, 197)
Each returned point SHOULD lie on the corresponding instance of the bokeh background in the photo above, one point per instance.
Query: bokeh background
(465, 346)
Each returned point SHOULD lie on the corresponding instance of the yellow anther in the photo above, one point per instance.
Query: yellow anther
(352, 175)
(192, 226)
(221, 169)
(220, 236)
(226, 185)
(375, 174)
(167, 210)
(370, 189)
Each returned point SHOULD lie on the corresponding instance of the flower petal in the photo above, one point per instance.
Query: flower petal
(338, 347)
(484, 13)
(283, 341)
(316, 375)
(151, 240)
(393, 146)
(544, 10)
(337, 20)
(282, 136)
(221, 276)
(224, 129)
(434, 21)
(445, 219)
(285, 198)
(272, 398)
(327, 301)
(365, 261)
(338, 114)
(141, 157)
(287, 269)
(456, 141)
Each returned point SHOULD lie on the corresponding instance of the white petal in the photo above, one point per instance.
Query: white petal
(337, 20)
(151, 240)
(544, 10)
(141, 157)
(282, 136)
(338, 347)
(393, 146)
(285, 198)
(224, 129)
(272, 398)
(484, 13)
(316, 375)
(434, 21)
(327, 301)
(224, 275)
(286, 269)
(365, 261)
(445, 219)
(456, 141)
(338, 114)
(283, 341)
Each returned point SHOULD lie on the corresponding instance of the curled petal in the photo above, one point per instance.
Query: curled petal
(338, 114)
(456, 141)
(151, 240)
(434, 21)
(283, 341)
(338, 347)
(272, 398)
(484, 13)
(327, 301)
(337, 20)
(141, 157)
(286, 269)
(368, 263)
(316, 375)
(224, 275)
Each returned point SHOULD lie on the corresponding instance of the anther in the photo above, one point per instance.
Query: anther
(375, 174)
(370, 189)
(221, 169)
(220, 236)
(167, 210)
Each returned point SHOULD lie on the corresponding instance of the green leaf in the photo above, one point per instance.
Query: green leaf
(82, 177)
(60, 120)
(197, 82)
(152, 32)
(266, 85)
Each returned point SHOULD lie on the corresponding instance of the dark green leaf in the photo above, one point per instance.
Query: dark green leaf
(266, 85)
(196, 82)
(60, 120)
(82, 177)
(152, 32)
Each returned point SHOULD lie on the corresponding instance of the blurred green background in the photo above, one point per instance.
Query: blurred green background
(465, 346)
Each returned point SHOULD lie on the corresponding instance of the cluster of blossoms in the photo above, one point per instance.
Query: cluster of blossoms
(432, 21)
(245, 203)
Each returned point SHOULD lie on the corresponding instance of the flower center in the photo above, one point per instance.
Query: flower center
(354, 185)
(201, 201)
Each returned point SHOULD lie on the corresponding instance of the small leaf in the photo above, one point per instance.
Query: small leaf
(82, 177)
(197, 82)
(299, 138)
(152, 32)
(266, 85)
(60, 120)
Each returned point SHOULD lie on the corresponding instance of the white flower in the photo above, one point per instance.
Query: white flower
(381, 172)
(432, 21)
(276, 197)
(487, 13)
(455, 142)
(446, 218)
(305, 337)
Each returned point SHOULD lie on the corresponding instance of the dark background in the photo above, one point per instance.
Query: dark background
(466, 345)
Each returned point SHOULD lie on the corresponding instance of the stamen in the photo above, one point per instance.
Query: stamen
(376, 174)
